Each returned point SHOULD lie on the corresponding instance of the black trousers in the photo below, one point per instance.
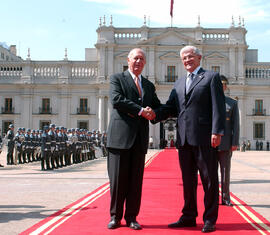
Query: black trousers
(205, 160)
(224, 158)
(125, 169)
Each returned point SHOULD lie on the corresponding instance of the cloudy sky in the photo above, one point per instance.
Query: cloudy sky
(48, 27)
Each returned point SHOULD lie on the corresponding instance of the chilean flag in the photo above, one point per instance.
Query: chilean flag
(171, 11)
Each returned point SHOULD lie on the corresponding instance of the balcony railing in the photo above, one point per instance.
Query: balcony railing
(256, 112)
(45, 111)
(38, 71)
(83, 111)
(6, 110)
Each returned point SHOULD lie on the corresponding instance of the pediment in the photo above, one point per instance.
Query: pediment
(216, 56)
(169, 38)
(122, 55)
(170, 56)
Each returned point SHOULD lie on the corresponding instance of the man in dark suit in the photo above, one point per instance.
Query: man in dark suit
(131, 96)
(198, 102)
(229, 143)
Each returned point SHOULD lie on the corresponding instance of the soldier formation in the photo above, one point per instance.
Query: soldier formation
(54, 146)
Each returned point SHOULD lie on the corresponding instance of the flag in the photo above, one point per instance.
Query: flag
(171, 11)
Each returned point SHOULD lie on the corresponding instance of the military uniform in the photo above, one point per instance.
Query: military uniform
(10, 145)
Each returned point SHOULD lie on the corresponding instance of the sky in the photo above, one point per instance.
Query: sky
(48, 27)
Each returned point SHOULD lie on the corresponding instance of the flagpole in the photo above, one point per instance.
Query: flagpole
(171, 12)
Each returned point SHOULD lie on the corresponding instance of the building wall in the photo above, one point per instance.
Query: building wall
(65, 82)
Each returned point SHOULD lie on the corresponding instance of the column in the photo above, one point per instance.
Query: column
(63, 102)
(242, 118)
(151, 64)
(110, 62)
(241, 64)
(102, 64)
(101, 113)
(26, 107)
(232, 62)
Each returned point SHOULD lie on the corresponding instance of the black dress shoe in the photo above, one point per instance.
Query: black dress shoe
(134, 225)
(227, 203)
(114, 224)
(183, 223)
(208, 228)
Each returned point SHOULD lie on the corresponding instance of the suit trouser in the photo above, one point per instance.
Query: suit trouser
(224, 158)
(204, 159)
(125, 169)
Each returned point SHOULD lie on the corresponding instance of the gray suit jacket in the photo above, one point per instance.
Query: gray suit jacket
(231, 134)
(200, 113)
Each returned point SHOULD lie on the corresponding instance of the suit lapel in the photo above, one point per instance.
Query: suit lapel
(198, 77)
(130, 81)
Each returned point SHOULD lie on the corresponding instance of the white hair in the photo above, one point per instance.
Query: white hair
(132, 51)
(193, 48)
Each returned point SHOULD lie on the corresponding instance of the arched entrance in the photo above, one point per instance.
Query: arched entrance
(168, 133)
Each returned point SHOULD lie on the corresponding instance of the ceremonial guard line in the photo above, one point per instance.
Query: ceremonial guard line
(54, 146)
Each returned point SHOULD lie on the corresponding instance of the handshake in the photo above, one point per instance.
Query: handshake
(148, 113)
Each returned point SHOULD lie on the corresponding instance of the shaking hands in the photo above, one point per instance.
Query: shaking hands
(148, 113)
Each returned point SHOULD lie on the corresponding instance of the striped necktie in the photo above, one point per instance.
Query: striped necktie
(138, 85)
(189, 81)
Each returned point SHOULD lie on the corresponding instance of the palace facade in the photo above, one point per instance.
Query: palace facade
(75, 93)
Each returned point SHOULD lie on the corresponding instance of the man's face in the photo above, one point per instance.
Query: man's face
(190, 60)
(136, 62)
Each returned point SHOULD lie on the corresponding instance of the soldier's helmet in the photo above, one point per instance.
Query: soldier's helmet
(61, 128)
(57, 128)
(73, 129)
(11, 126)
(52, 125)
(28, 130)
(45, 128)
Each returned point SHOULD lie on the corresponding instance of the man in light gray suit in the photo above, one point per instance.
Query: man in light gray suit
(229, 143)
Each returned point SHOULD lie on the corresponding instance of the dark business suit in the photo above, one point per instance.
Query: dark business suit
(230, 138)
(127, 142)
(200, 113)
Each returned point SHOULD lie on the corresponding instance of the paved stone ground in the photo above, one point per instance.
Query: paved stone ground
(29, 195)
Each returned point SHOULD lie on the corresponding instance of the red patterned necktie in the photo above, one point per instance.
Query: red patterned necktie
(138, 85)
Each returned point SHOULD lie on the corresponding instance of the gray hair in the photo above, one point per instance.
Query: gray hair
(193, 48)
(132, 51)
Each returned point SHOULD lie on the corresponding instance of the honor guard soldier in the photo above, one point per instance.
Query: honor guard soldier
(78, 146)
(67, 154)
(52, 135)
(61, 146)
(73, 139)
(45, 149)
(10, 144)
(104, 144)
(28, 145)
(1, 146)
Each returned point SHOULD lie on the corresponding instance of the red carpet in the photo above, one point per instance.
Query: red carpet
(162, 202)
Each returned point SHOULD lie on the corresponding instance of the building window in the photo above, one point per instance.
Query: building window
(8, 105)
(171, 77)
(2, 55)
(46, 107)
(83, 125)
(83, 109)
(125, 67)
(258, 107)
(216, 69)
(258, 131)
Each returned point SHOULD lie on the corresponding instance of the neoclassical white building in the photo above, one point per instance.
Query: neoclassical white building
(75, 93)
